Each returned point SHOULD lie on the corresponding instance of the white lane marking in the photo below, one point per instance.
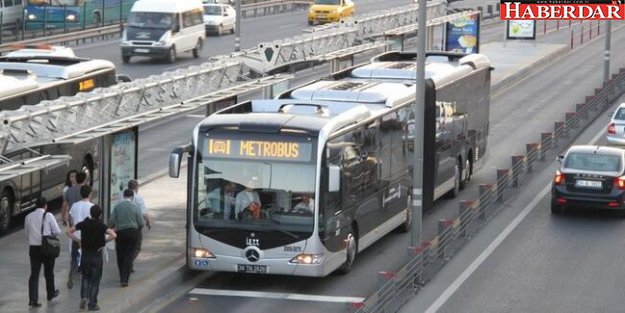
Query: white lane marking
(196, 115)
(289, 26)
(493, 245)
(274, 295)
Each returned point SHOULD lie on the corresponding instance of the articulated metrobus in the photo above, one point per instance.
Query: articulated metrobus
(29, 76)
(300, 185)
(462, 106)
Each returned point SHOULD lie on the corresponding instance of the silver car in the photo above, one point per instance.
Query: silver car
(616, 127)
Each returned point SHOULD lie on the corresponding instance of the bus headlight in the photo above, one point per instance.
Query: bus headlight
(32, 17)
(202, 253)
(71, 17)
(307, 259)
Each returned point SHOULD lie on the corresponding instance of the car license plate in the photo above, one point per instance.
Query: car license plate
(321, 16)
(252, 269)
(588, 184)
(142, 50)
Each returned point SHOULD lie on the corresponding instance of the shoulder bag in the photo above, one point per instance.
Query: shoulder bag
(50, 244)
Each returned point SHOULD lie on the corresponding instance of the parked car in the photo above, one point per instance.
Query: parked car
(325, 11)
(590, 177)
(616, 127)
(219, 18)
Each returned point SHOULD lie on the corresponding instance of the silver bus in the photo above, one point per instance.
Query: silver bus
(299, 185)
(28, 76)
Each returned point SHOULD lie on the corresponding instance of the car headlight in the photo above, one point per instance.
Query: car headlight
(307, 259)
(71, 17)
(32, 17)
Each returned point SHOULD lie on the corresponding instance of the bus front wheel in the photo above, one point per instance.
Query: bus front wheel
(6, 210)
(351, 250)
(125, 58)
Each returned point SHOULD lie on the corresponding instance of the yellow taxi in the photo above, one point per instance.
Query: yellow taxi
(325, 11)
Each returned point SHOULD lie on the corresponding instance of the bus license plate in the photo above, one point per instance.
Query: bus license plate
(588, 184)
(252, 269)
(142, 50)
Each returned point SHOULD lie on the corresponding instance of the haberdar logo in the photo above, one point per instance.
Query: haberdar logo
(562, 10)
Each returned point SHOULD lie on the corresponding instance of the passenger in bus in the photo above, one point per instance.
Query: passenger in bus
(229, 200)
(214, 200)
(247, 202)
(306, 205)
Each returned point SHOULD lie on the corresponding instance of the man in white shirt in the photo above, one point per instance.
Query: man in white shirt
(77, 213)
(245, 198)
(35, 225)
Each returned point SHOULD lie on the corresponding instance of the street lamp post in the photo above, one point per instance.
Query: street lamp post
(237, 36)
(606, 55)
(419, 122)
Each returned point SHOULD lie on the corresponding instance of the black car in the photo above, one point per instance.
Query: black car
(590, 177)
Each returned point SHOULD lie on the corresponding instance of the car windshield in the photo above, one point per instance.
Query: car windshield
(212, 10)
(592, 162)
(330, 2)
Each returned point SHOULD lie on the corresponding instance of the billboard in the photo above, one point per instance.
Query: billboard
(521, 29)
(463, 34)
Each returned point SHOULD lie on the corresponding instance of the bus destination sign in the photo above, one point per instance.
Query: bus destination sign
(260, 149)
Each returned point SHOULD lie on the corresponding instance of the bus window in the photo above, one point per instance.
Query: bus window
(8, 3)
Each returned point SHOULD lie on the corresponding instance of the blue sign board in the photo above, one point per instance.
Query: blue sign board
(463, 34)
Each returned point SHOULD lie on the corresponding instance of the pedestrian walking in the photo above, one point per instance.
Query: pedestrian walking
(78, 212)
(38, 223)
(92, 240)
(126, 220)
(70, 181)
(138, 200)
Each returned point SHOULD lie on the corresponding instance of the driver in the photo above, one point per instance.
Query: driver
(248, 198)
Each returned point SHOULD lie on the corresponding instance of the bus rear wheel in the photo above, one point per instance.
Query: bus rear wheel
(466, 174)
(6, 210)
(125, 58)
(457, 181)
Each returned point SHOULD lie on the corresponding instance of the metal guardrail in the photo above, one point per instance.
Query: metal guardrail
(398, 287)
(66, 37)
(336, 36)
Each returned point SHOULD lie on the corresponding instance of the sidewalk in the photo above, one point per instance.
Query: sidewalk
(160, 266)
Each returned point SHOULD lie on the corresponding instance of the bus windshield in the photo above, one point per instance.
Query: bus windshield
(264, 192)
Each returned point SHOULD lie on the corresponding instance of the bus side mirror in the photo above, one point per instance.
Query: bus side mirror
(560, 158)
(175, 157)
(174, 164)
(334, 178)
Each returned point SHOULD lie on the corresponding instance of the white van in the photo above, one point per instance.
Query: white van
(163, 29)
